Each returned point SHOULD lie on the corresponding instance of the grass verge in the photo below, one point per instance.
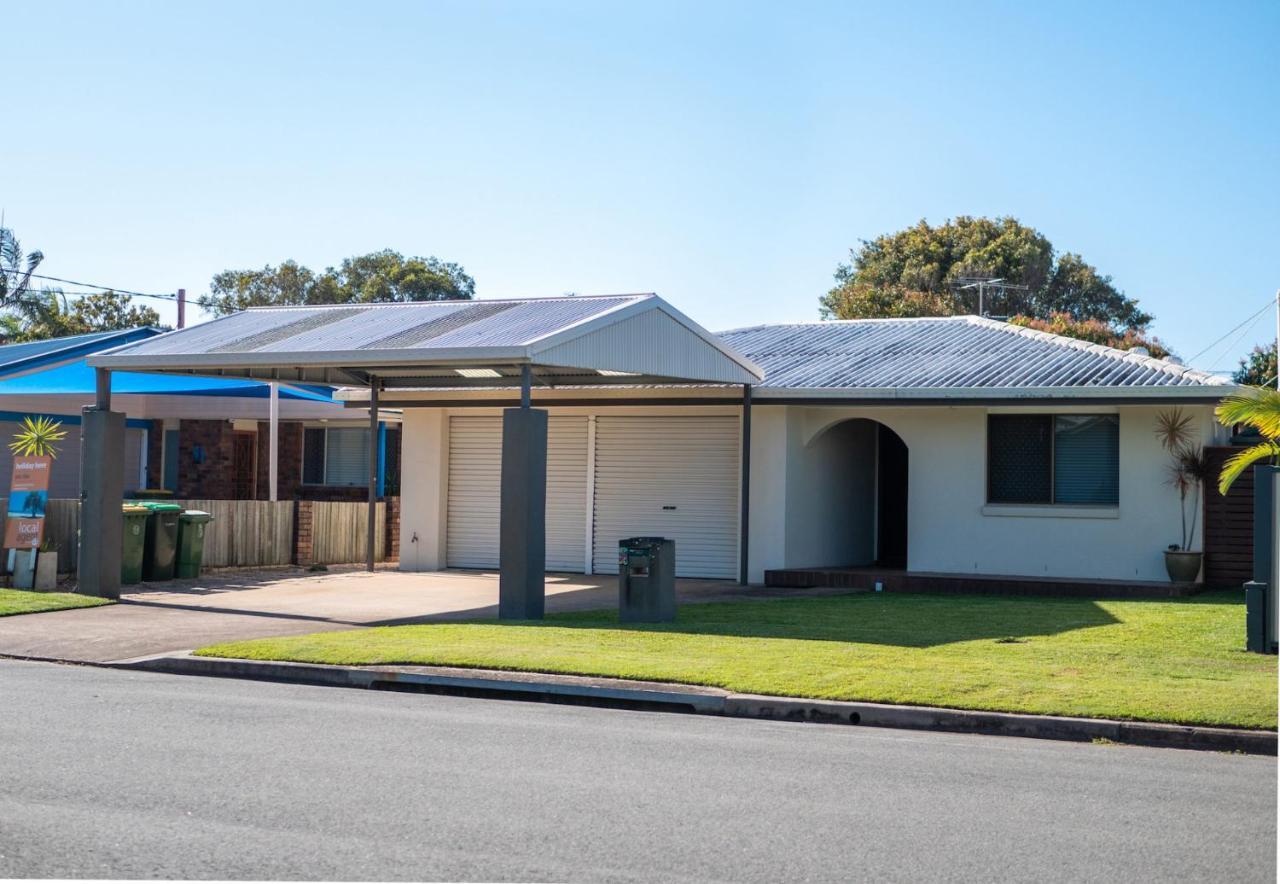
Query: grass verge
(21, 601)
(1177, 660)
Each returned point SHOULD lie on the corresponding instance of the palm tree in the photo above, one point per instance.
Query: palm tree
(1260, 409)
(15, 269)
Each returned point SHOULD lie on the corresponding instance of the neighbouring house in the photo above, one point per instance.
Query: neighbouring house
(956, 445)
(200, 437)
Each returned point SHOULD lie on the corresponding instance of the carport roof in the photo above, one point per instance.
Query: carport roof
(601, 340)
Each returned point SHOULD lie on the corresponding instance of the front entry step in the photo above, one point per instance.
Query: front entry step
(982, 584)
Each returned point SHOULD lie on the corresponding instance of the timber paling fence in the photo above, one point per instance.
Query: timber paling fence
(340, 532)
(253, 533)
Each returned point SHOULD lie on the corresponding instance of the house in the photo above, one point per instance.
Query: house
(200, 437)
(953, 445)
(958, 445)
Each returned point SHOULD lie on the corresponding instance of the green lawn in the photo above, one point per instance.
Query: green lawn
(1178, 660)
(21, 601)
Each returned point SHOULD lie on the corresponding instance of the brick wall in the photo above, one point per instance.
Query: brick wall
(212, 478)
(303, 520)
(393, 529)
(289, 464)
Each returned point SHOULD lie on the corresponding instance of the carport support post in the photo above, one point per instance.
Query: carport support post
(374, 451)
(522, 528)
(101, 492)
(273, 443)
(744, 515)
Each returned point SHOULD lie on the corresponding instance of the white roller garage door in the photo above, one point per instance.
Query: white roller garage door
(671, 476)
(475, 478)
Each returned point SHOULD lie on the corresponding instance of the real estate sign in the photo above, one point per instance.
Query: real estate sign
(28, 495)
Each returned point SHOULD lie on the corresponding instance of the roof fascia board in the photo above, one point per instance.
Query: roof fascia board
(561, 400)
(63, 355)
(362, 359)
(906, 394)
(410, 398)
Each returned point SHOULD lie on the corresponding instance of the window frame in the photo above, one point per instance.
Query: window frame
(325, 483)
(1050, 506)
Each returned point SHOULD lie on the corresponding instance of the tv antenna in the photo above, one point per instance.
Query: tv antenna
(985, 284)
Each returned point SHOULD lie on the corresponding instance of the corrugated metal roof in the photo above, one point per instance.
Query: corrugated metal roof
(18, 357)
(348, 343)
(953, 353)
(422, 325)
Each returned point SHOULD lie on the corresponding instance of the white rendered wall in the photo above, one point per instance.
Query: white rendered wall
(950, 527)
(831, 503)
(422, 488)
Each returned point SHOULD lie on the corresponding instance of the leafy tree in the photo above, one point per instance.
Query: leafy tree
(1258, 368)
(377, 276)
(1077, 289)
(857, 300)
(919, 272)
(48, 314)
(1095, 331)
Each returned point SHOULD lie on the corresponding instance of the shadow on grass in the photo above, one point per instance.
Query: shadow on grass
(902, 620)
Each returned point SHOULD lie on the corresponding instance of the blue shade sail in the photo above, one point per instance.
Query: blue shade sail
(77, 377)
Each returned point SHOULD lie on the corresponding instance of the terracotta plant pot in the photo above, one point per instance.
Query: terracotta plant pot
(1183, 567)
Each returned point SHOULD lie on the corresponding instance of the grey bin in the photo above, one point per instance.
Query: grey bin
(646, 580)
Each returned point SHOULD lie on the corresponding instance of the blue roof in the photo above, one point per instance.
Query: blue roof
(25, 356)
(77, 377)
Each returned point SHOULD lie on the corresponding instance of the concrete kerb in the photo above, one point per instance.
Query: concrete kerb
(713, 701)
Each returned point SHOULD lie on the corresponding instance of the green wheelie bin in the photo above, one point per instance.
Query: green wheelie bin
(135, 541)
(191, 541)
(160, 554)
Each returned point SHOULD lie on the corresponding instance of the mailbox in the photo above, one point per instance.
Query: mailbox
(647, 580)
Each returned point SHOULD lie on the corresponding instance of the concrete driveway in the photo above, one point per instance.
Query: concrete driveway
(183, 615)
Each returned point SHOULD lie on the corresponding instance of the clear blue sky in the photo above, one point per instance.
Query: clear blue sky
(726, 156)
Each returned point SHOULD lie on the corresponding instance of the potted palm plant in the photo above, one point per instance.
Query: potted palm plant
(37, 437)
(1188, 471)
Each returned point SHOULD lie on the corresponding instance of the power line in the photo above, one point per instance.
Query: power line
(1239, 339)
(1251, 318)
(89, 285)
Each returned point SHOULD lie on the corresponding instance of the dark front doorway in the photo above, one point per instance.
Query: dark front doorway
(244, 465)
(891, 499)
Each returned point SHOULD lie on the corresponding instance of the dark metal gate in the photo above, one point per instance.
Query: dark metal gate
(1228, 526)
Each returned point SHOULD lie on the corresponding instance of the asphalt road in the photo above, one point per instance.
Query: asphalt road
(109, 774)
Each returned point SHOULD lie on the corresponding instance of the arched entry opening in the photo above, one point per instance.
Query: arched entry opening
(848, 496)
(891, 499)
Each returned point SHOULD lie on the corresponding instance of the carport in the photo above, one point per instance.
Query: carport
(441, 345)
